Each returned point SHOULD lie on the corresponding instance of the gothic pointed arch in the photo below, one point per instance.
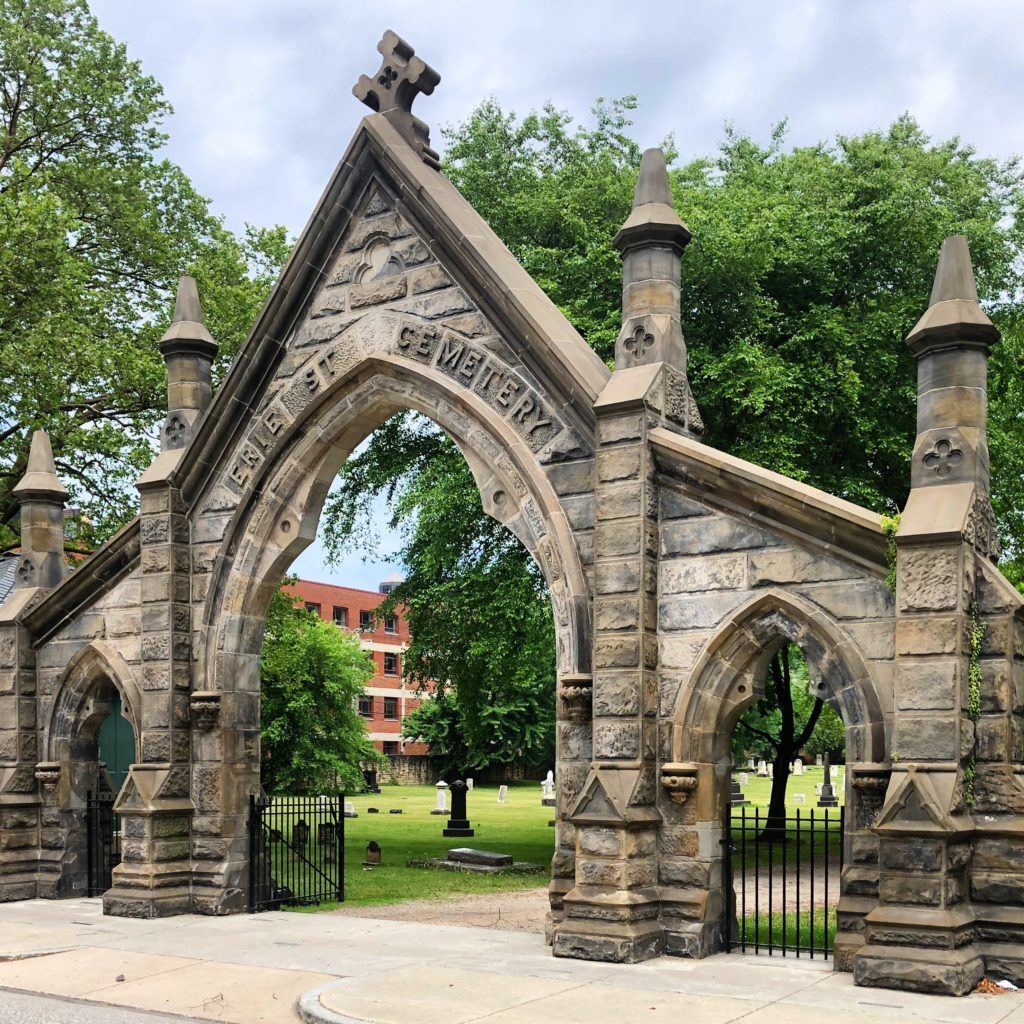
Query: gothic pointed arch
(96, 663)
(730, 673)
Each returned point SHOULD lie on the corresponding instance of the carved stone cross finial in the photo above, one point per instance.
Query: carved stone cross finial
(391, 91)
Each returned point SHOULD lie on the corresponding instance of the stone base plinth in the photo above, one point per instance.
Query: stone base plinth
(608, 941)
(147, 903)
(950, 972)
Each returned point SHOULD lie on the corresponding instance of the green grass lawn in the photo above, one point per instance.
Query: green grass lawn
(757, 791)
(519, 827)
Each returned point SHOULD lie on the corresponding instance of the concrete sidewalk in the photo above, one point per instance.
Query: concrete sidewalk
(248, 969)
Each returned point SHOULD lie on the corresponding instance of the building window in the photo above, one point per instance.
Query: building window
(386, 588)
(390, 664)
(390, 747)
(391, 707)
(313, 606)
(366, 706)
(340, 616)
(365, 620)
(391, 624)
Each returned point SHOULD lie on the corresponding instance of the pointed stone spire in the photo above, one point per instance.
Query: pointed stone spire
(651, 242)
(952, 342)
(953, 314)
(188, 350)
(42, 497)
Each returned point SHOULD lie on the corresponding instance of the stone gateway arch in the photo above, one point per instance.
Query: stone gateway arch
(676, 571)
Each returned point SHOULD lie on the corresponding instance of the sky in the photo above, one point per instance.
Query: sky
(263, 107)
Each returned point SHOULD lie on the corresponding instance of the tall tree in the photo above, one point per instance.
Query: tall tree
(807, 268)
(312, 738)
(476, 604)
(95, 228)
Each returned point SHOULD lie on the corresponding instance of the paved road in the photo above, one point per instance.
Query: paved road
(20, 1008)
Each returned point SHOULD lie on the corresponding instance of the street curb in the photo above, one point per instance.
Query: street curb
(6, 958)
(312, 1011)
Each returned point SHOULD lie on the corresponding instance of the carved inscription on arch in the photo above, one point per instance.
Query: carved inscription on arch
(476, 368)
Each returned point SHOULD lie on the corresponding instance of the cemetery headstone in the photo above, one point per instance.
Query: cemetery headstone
(799, 798)
(458, 823)
(547, 789)
(818, 762)
(395, 810)
(300, 837)
(372, 857)
(502, 794)
(798, 767)
(736, 797)
(327, 838)
(373, 810)
(750, 764)
(350, 810)
(771, 769)
(762, 769)
(370, 780)
(469, 785)
(441, 807)
(744, 779)
(828, 796)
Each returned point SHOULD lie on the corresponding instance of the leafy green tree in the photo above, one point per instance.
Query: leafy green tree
(784, 722)
(475, 602)
(312, 738)
(807, 269)
(95, 229)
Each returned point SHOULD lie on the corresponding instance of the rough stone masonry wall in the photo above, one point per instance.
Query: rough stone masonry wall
(713, 565)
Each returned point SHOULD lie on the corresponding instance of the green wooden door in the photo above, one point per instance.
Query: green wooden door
(117, 744)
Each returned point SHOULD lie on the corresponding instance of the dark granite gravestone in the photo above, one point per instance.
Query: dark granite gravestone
(736, 797)
(458, 823)
(395, 810)
(370, 780)
(327, 837)
(300, 837)
(464, 855)
(828, 794)
(372, 858)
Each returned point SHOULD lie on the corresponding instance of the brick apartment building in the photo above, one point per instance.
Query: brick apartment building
(386, 701)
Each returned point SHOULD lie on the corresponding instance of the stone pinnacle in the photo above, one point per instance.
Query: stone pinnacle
(40, 479)
(186, 302)
(652, 183)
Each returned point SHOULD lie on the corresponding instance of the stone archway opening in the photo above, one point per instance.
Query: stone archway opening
(752, 869)
(270, 533)
(92, 743)
(480, 577)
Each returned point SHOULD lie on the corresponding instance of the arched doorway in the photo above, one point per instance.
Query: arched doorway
(728, 679)
(91, 742)
(268, 533)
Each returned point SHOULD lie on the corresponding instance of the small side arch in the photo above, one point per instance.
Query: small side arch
(730, 675)
(83, 680)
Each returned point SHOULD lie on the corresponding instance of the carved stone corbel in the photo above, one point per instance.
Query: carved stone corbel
(576, 695)
(48, 776)
(205, 707)
(679, 781)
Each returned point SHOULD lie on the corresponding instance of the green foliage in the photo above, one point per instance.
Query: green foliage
(95, 229)
(977, 635)
(476, 605)
(891, 526)
(970, 772)
(763, 725)
(312, 738)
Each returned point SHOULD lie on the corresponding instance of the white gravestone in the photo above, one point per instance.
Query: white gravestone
(799, 798)
(547, 790)
(469, 785)
(818, 786)
(502, 794)
(771, 769)
(818, 761)
(744, 778)
(441, 807)
(798, 767)
(762, 769)
(750, 764)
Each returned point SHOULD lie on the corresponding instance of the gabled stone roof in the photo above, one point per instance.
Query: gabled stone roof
(8, 564)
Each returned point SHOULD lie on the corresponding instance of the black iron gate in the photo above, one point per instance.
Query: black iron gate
(296, 851)
(786, 882)
(102, 841)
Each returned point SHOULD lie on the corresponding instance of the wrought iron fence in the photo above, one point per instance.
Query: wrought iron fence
(296, 851)
(785, 881)
(102, 841)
